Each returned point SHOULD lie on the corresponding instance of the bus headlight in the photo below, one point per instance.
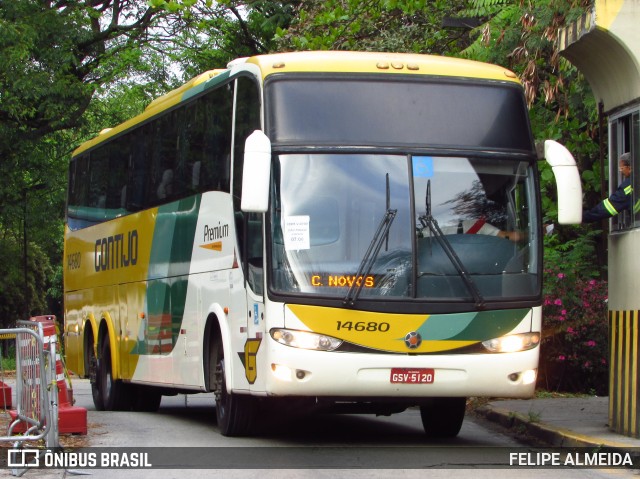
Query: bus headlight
(305, 339)
(512, 343)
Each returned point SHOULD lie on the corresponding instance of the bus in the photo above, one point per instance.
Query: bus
(351, 232)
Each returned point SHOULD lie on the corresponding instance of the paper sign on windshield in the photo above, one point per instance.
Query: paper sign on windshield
(296, 233)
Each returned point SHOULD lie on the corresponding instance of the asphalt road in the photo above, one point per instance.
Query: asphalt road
(182, 440)
(183, 434)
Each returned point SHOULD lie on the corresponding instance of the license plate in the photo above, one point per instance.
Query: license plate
(412, 375)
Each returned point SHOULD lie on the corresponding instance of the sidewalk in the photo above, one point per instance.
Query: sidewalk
(563, 422)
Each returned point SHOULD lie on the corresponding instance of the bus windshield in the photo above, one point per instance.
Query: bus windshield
(458, 225)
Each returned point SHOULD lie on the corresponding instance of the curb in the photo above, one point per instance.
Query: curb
(550, 435)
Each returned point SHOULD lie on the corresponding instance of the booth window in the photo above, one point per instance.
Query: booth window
(625, 137)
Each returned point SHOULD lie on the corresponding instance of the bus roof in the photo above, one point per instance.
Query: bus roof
(320, 61)
(371, 62)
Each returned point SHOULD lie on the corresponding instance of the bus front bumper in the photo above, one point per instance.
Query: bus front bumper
(297, 372)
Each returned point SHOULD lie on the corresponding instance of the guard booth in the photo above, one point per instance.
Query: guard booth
(604, 44)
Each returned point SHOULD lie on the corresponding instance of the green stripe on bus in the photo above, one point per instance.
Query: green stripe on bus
(169, 265)
(473, 326)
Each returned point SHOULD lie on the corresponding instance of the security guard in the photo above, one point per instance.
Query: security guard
(619, 201)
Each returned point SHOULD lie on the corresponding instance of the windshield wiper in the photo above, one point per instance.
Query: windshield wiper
(372, 252)
(428, 221)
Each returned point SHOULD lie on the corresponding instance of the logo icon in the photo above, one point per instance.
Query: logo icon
(22, 458)
(413, 340)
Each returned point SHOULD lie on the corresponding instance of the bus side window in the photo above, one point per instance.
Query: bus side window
(117, 178)
(163, 161)
(165, 187)
(247, 117)
(214, 172)
(78, 181)
(98, 176)
(254, 248)
(138, 169)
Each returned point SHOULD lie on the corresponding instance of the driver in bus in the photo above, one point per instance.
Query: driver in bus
(479, 226)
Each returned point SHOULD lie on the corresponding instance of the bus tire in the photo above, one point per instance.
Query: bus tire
(91, 368)
(113, 392)
(443, 417)
(234, 412)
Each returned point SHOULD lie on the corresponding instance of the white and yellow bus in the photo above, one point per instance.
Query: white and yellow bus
(361, 230)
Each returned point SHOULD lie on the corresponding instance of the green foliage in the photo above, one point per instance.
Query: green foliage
(175, 5)
(22, 293)
(8, 363)
(228, 30)
(69, 70)
(413, 26)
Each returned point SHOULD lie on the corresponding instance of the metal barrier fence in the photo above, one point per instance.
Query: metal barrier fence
(36, 415)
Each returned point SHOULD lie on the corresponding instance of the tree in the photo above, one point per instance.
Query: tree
(370, 25)
(22, 288)
(68, 69)
(56, 54)
(228, 30)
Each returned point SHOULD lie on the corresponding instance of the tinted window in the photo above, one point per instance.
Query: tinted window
(179, 153)
(247, 120)
(415, 111)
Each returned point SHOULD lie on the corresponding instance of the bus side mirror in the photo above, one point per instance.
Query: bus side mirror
(568, 182)
(256, 172)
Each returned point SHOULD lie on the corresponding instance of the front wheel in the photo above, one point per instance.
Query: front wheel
(234, 412)
(442, 417)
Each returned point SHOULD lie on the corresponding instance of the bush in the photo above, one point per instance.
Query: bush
(575, 345)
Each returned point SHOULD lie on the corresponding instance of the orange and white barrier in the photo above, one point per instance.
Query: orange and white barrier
(71, 419)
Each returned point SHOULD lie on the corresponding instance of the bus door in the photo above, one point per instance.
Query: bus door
(254, 273)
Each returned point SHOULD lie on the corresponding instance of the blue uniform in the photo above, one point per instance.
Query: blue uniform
(619, 201)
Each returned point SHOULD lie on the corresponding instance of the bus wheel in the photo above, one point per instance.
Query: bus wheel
(234, 412)
(442, 417)
(113, 394)
(92, 367)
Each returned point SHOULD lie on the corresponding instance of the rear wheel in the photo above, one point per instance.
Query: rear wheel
(91, 366)
(235, 413)
(113, 393)
(443, 417)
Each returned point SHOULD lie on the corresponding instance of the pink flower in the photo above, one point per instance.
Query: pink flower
(558, 302)
(591, 343)
(560, 275)
(563, 312)
(561, 357)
